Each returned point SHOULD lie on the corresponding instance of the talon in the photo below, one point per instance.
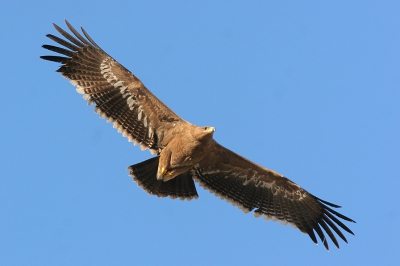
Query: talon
(165, 171)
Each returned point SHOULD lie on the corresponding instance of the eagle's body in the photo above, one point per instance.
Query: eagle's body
(185, 152)
(184, 146)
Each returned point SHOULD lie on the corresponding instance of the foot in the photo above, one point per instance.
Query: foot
(163, 174)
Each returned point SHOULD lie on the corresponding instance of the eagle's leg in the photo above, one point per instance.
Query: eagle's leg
(166, 174)
(166, 169)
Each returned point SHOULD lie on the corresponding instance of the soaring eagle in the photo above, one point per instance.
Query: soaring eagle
(185, 152)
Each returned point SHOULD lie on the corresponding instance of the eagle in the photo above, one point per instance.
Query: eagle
(185, 152)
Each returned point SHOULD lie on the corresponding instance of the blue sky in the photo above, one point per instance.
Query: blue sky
(308, 89)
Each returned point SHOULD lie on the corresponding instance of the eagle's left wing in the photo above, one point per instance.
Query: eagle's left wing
(271, 195)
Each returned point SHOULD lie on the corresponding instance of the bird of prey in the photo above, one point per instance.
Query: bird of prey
(185, 152)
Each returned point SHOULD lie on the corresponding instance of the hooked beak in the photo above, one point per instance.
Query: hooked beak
(211, 129)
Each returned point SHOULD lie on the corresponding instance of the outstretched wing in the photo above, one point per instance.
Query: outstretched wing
(271, 195)
(116, 92)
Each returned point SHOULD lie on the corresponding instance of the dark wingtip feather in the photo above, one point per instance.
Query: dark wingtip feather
(337, 221)
(89, 38)
(321, 236)
(58, 50)
(73, 30)
(62, 42)
(58, 59)
(333, 211)
(312, 236)
(329, 232)
(339, 215)
(330, 217)
(327, 202)
(334, 227)
(68, 36)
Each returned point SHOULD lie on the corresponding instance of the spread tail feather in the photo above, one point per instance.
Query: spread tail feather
(144, 174)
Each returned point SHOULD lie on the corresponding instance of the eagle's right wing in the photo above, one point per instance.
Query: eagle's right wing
(116, 92)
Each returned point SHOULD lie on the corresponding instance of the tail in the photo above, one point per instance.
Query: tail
(144, 174)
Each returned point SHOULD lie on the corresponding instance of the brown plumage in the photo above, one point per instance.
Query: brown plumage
(185, 152)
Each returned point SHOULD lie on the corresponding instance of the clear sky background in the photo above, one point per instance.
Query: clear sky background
(310, 89)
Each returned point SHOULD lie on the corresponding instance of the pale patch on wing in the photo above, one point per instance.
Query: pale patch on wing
(132, 103)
